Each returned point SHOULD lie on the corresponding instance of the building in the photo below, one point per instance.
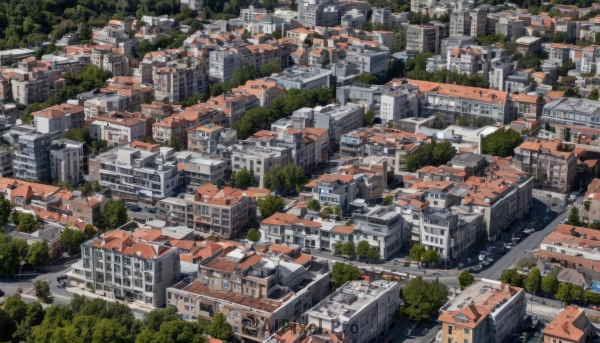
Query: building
(371, 61)
(529, 44)
(368, 305)
(265, 90)
(118, 128)
(572, 112)
(571, 247)
(196, 169)
(256, 292)
(147, 172)
(570, 326)
(206, 138)
(381, 227)
(6, 162)
(34, 81)
(66, 162)
(49, 233)
(88, 209)
(468, 23)
(177, 83)
(453, 101)
(31, 153)
(486, 311)
(260, 159)
(60, 118)
(223, 63)
(309, 78)
(353, 19)
(423, 38)
(125, 268)
(210, 211)
(337, 189)
(592, 201)
(550, 167)
(382, 16)
(398, 103)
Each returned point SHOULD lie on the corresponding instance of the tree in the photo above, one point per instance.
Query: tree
(176, 143)
(525, 131)
(254, 235)
(219, 328)
(348, 249)
(273, 179)
(42, 290)
(417, 252)
(96, 186)
(243, 178)
(89, 231)
(39, 254)
(593, 94)
(155, 318)
(550, 283)
(373, 254)
(294, 178)
(576, 293)
(586, 205)
(463, 121)
(270, 68)
(431, 256)
(270, 205)
(28, 223)
(512, 277)
(362, 249)
(113, 216)
(342, 273)
(338, 248)
(533, 281)
(5, 209)
(314, 205)
(502, 142)
(326, 212)
(7, 326)
(71, 239)
(563, 293)
(423, 299)
(433, 153)
(573, 218)
(367, 78)
(388, 200)
(16, 308)
(465, 279)
(391, 175)
(369, 118)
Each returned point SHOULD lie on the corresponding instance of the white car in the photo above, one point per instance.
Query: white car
(529, 231)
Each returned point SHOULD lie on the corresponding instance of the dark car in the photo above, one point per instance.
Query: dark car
(133, 207)
(151, 209)
(1, 293)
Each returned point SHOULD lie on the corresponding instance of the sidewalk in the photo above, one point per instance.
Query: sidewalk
(93, 295)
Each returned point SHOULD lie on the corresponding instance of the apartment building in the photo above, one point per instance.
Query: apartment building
(125, 268)
(60, 118)
(6, 162)
(453, 101)
(468, 61)
(66, 162)
(223, 63)
(423, 38)
(529, 44)
(398, 103)
(34, 81)
(371, 61)
(265, 90)
(118, 128)
(177, 83)
(381, 227)
(49, 233)
(210, 211)
(550, 167)
(353, 19)
(486, 311)
(88, 209)
(104, 102)
(303, 145)
(196, 169)
(234, 105)
(337, 189)
(251, 155)
(591, 211)
(31, 153)
(572, 112)
(571, 325)
(468, 23)
(570, 247)
(291, 229)
(206, 138)
(255, 292)
(368, 305)
(310, 78)
(382, 16)
(145, 173)
(110, 59)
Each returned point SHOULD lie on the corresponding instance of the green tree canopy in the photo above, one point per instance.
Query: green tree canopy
(533, 281)
(465, 279)
(113, 216)
(434, 154)
(314, 205)
(71, 239)
(270, 205)
(550, 283)
(348, 249)
(423, 299)
(502, 142)
(28, 223)
(243, 178)
(512, 277)
(270, 68)
(342, 273)
(573, 218)
(219, 328)
(254, 235)
(417, 252)
(176, 143)
(39, 254)
(42, 290)
(338, 247)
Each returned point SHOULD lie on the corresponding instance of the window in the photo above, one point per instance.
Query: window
(466, 340)
(449, 329)
(127, 261)
(117, 259)
(467, 331)
(148, 266)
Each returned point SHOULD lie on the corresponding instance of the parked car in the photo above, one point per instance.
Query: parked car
(133, 207)
(1, 293)
(305, 250)
(592, 307)
(151, 209)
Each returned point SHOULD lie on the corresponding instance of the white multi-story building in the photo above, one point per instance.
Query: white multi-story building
(134, 173)
(260, 159)
(397, 103)
(370, 61)
(353, 19)
(118, 128)
(122, 267)
(363, 310)
(59, 118)
(382, 16)
(222, 64)
(423, 38)
(66, 162)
